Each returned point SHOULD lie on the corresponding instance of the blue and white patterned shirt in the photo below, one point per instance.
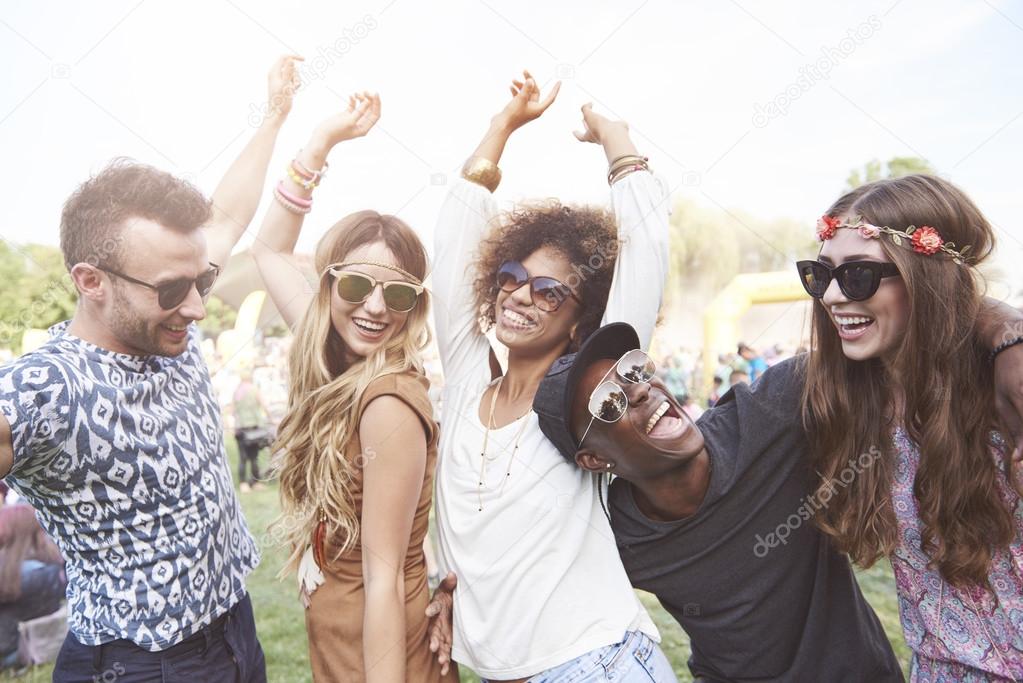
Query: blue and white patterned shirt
(123, 459)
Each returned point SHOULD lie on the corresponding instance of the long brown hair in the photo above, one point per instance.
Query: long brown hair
(937, 385)
(324, 390)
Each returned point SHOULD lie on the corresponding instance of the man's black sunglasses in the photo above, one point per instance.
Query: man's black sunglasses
(171, 294)
(858, 280)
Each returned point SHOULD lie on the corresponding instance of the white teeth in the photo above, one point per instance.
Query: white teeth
(369, 325)
(177, 328)
(658, 414)
(852, 320)
(517, 318)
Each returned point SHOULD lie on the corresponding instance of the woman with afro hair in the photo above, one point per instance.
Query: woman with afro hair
(540, 586)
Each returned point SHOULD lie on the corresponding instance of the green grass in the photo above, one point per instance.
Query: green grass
(281, 623)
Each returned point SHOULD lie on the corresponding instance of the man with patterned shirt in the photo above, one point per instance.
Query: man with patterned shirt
(111, 429)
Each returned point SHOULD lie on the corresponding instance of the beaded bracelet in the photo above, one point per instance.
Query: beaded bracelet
(313, 175)
(293, 208)
(1004, 345)
(299, 180)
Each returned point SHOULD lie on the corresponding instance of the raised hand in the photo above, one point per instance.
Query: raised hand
(613, 136)
(282, 82)
(361, 114)
(526, 104)
(596, 127)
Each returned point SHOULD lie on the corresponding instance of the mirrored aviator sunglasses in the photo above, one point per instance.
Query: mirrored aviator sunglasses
(608, 401)
(858, 280)
(355, 288)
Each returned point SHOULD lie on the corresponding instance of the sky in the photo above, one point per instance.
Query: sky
(758, 106)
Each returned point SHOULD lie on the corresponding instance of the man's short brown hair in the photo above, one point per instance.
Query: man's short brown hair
(92, 222)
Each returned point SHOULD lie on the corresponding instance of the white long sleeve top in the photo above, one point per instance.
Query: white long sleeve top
(539, 577)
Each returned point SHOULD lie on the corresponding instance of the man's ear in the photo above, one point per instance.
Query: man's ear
(88, 281)
(590, 461)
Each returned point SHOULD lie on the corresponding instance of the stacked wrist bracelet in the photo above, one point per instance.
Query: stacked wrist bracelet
(303, 177)
(624, 165)
(1008, 343)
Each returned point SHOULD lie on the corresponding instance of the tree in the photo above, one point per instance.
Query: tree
(710, 246)
(39, 291)
(897, 167)
(219, 317)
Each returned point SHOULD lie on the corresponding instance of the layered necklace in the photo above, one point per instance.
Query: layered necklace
(485, 458)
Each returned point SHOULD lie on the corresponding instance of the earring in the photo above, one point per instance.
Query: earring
(609, 466)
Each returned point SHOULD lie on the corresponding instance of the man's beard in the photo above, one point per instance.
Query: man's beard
(133, 330)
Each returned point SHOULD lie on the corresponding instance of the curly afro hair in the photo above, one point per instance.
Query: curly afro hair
(586, 236)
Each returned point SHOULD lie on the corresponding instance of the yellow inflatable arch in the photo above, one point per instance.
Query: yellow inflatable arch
(721, 316)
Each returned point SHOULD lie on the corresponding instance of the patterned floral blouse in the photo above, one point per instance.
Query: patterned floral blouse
(956, 635)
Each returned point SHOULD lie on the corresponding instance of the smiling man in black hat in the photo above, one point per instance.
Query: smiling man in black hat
(715, 517)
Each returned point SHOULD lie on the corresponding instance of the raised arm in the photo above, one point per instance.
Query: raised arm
(237, 195)
(640, 203)
(394, 443)
(465, 218)
(274, 248)
(524, 106)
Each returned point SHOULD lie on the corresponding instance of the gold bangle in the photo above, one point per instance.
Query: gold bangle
(624, 162)
(482, 172)
(611, 180)
(625, 168)
(627, 156)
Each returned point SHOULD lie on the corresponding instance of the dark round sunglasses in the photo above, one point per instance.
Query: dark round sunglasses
(547, 293)
(858, 280)
(170, 294)
(399, 296)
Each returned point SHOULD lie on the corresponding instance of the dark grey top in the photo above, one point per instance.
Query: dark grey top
(760, 591)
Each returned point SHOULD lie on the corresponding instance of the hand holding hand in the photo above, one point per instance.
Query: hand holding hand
(439, 614)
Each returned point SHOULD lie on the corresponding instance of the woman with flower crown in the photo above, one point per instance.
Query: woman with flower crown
(898, 368)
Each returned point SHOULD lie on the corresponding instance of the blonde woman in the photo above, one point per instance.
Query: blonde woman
(356, 449)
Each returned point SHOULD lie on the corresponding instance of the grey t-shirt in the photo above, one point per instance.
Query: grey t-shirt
(761, 592)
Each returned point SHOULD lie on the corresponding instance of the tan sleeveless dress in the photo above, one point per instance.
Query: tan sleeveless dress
(334, 618)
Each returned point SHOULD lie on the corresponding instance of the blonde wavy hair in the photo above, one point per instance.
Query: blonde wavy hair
(324, 391)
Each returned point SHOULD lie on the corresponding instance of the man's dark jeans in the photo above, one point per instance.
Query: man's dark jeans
(226, 651)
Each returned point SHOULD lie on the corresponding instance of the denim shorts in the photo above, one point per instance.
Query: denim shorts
(636, 659)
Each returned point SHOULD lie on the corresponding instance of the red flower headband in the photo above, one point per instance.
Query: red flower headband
(925, 239)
